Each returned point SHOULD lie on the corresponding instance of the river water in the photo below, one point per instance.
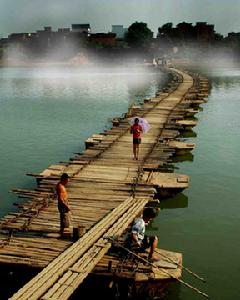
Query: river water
(204, 223)
(46, 115)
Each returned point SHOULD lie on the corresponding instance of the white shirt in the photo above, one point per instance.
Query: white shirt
(138, 228)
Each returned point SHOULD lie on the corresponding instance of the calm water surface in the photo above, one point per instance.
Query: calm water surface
(47, 114)
(204, 223)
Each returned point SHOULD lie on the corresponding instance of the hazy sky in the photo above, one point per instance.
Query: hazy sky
(31, 15)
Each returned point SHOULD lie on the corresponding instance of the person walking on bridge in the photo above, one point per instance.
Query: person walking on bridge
(136, 131)
(63, 205)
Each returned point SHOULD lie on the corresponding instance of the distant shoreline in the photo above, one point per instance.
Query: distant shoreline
(40, 64)
(178, 62)
(37, 64)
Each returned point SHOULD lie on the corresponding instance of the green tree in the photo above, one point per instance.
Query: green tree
(166, 29)
(139, 35)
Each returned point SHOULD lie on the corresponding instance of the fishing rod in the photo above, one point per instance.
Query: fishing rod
(181, 266)
(162, 270)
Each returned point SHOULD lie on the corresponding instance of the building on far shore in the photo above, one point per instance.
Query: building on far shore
(81, 28)
(119, 30)
(103, 39)
(46, 43)
(233, 37)
(64, 44)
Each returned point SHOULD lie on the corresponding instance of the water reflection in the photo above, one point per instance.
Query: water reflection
(182, 158)
(179, 201)
(173, 292)
(142, 87)
(226, 82)
(188, 134)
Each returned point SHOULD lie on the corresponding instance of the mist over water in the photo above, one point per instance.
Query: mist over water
(47, 114)
(205, 60)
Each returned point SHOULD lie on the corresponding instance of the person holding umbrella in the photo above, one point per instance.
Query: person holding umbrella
(136, 131)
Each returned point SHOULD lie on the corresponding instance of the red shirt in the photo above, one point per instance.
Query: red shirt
(136, 130)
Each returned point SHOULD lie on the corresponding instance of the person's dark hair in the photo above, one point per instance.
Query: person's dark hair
(64, 176)
(136, 120)
(149, 213)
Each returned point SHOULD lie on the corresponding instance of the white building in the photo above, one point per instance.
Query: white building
(119, 30)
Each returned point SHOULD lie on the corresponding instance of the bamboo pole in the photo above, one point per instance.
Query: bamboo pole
(162, 270)
(180, 265)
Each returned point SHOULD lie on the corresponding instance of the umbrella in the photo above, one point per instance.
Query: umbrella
(142, 122)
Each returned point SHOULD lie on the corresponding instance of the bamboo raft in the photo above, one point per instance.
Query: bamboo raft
(107, 190)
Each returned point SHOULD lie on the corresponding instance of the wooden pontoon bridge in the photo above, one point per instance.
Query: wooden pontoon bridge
(107, 190)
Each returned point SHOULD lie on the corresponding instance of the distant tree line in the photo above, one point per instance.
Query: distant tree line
(138, 36)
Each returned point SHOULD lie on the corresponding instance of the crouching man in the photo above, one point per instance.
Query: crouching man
(136, 240)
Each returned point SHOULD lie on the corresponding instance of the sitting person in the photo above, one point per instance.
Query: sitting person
(136, 238)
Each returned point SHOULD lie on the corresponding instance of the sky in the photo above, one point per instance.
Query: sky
(32, 15)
